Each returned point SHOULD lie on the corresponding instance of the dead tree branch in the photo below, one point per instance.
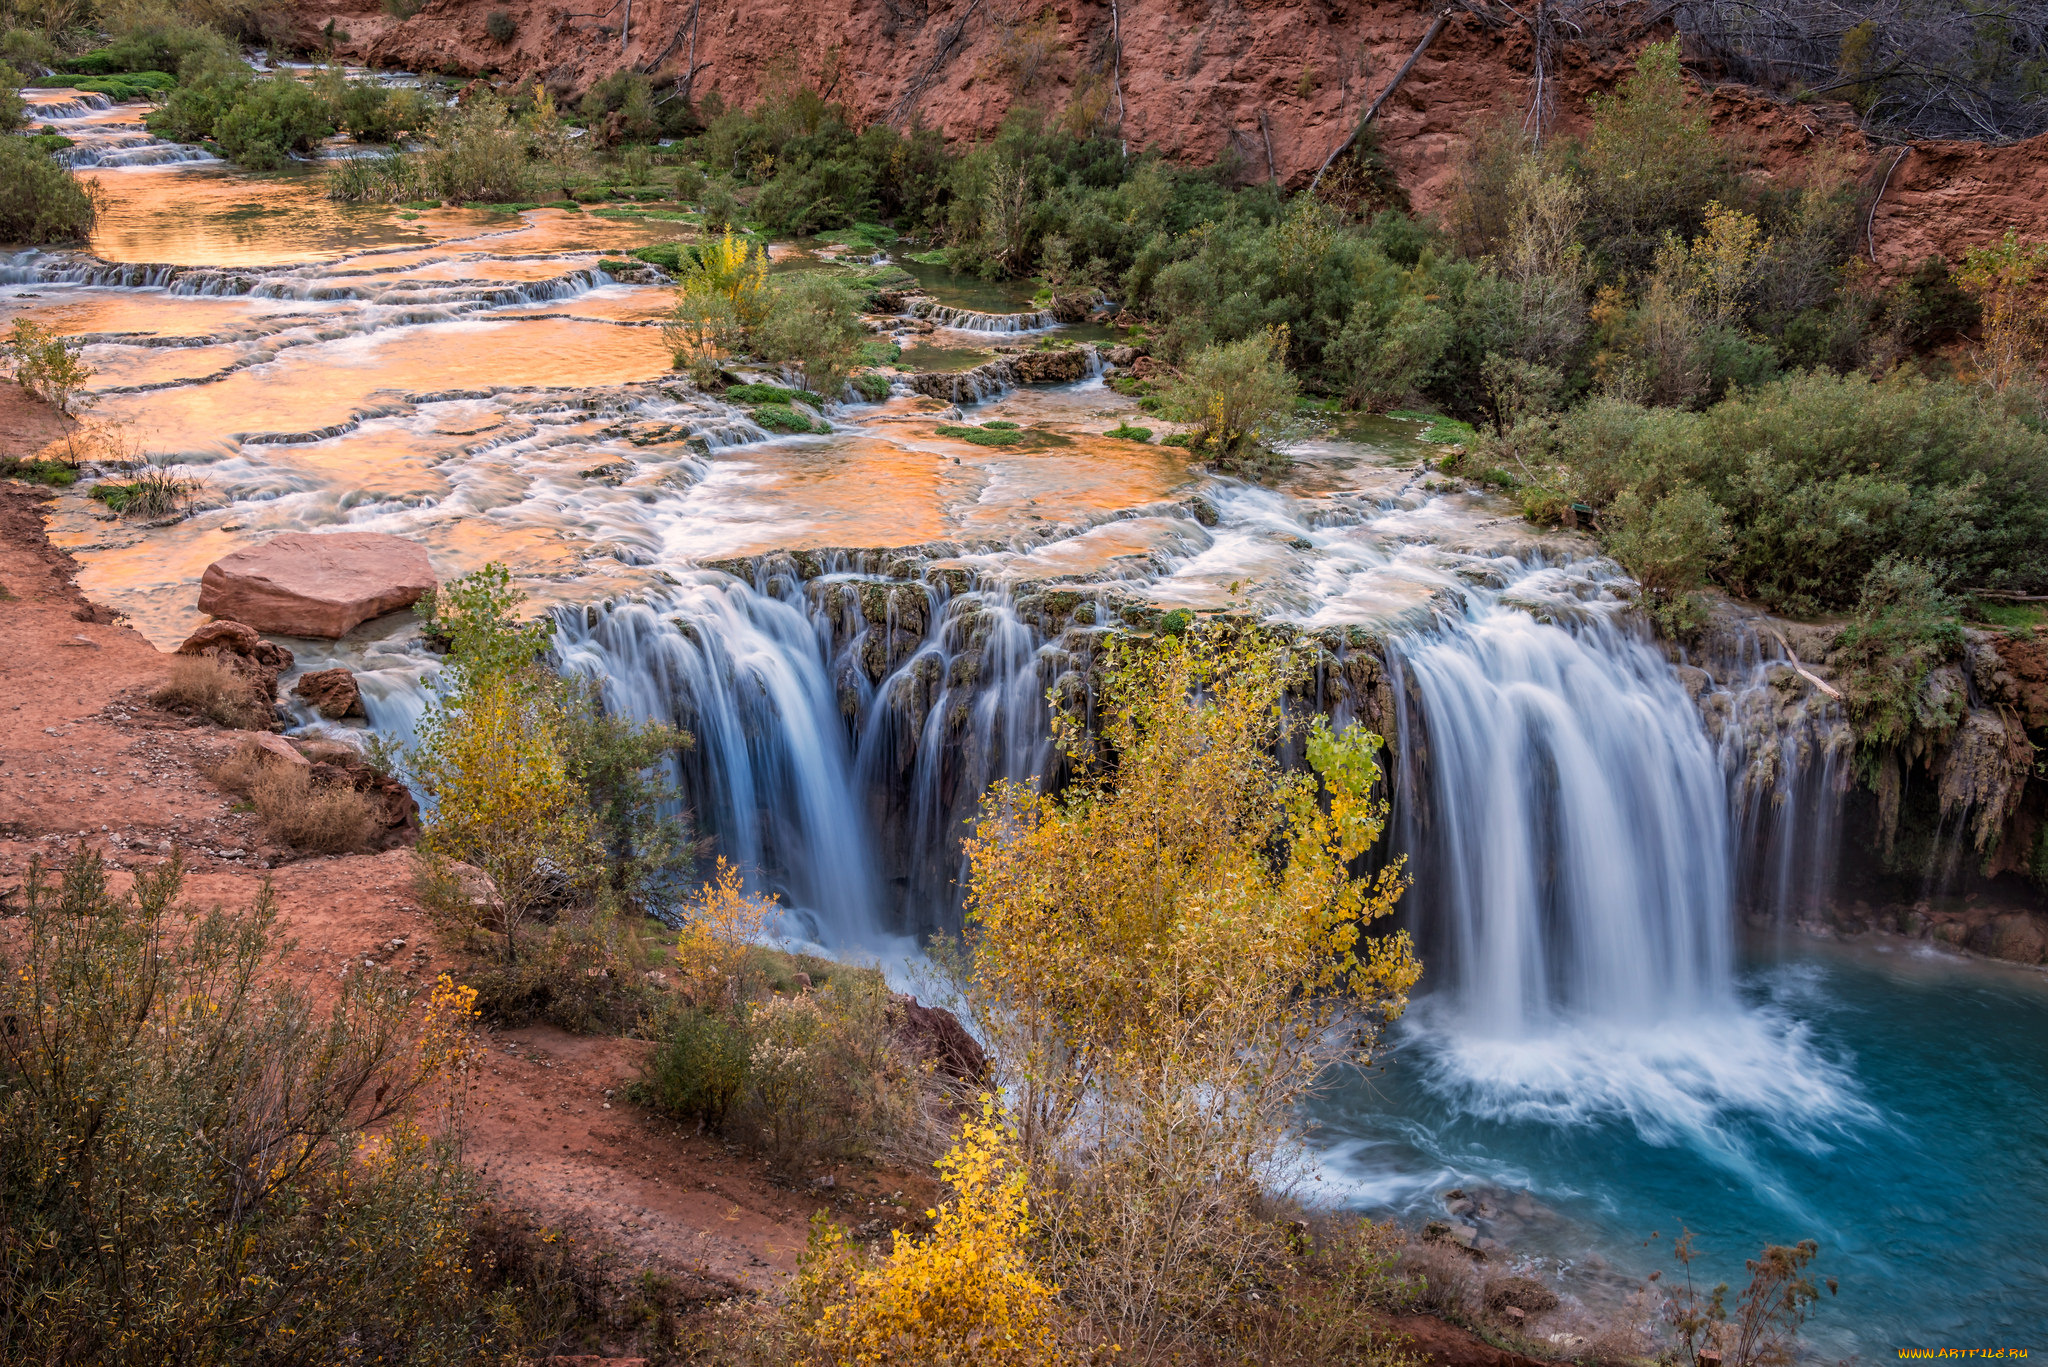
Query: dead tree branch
(1372, 110)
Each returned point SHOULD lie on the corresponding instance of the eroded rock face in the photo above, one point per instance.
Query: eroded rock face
(324, 585)
(331, 692)
(2017, 938)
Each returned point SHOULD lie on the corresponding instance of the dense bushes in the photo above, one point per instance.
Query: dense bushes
(258, 122)
(197, 1167)
(1168, 958)
(40, 201)
(1820, 476)
(797, 1054)
(557, 804)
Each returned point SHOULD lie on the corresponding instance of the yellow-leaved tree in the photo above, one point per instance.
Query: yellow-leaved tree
(529, 779)
(721, 293)
(966, 1294)
(1169, 956)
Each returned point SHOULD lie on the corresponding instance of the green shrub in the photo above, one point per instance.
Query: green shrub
(394, 179)
(814, 320)
(197, 1165)
(54, 473)
(1650, 166)
(40, 201)
(1820, 476)
(982, 436)
(13, 109)
(375, 113)
(1904, 626)
(208, 86)
(1127, 432)
(151, 39)
(1239, 397)
(45, 364)
(873, 388)
(1670, 546)
(666, 255)
(482, 154)
(137, 85)
(22, 48)
(782, 418)
(698, 1069)
(498, 26)
(270, 120)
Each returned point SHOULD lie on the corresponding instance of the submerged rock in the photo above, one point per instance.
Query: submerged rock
(316, 584)
(331, 692)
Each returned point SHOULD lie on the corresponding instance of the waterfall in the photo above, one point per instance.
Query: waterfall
(1566, 823)
(845, 727)
(737, 666)
(972, 320)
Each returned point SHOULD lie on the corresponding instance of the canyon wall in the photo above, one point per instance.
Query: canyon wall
(1276, 83)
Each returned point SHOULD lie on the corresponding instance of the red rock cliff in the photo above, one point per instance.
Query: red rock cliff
(1280, 82)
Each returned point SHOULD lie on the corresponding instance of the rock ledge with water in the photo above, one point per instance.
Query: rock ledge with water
(316, 584)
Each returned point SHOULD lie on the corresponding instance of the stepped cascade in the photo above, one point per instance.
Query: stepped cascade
(866, 623)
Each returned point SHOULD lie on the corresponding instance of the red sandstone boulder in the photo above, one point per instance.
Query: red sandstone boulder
(935, 1035)
(316, 584)
(331, 692)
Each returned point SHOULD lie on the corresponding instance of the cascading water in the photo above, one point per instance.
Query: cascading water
(738, 668)
(1565, 821)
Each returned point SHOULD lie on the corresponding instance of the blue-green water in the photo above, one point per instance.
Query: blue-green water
(1888, 1101)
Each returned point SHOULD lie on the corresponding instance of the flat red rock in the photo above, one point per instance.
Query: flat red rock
(316, 584)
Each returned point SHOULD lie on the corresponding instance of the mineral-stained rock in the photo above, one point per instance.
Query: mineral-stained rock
(2017, 938)
(1525, 1294)
(274, 749)
(331, 692)
(338, 766)
(1061, 366)
(316, 584)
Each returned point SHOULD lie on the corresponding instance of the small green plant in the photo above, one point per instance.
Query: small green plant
(157, 491)
(762, 393)
(499, 27)
(999, 425)
(783, 418)
(982, 436)
(873, 388)
(46, 365)
(1124, 431)
(1904, 626)
(54, 473)
(698, 1070)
